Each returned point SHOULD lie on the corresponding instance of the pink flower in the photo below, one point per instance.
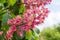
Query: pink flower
(13, 28)
(17, 20)
(20, 33)
(10, 22)
(35, 2)
(9, 36)
(10, 32)
(1, 32)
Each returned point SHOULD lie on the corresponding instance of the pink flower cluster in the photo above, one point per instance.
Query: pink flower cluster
(13, 28)
(30, 18)
(10, 32)
(16, 21)
(35, 16)
(35, 2)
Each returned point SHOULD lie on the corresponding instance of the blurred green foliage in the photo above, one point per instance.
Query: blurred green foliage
(52, 33)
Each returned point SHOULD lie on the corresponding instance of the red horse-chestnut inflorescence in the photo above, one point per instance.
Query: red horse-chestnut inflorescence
(34, 14)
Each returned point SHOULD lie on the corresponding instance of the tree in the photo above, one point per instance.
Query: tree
(19, 17)
(51, 33)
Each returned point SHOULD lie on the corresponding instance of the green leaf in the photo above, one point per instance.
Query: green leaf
(0, 25)
(28, 34)
(22, 9)
(15, 10)
(36, 38)
(6, 4)
(15, 36)
(2, 37)
(11, 2)
(2, 1)
(32, 38)
(0, 15)
(1, 6)
(5, 18)
(37, 30)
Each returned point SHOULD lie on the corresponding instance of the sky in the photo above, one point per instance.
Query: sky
(54, 15)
